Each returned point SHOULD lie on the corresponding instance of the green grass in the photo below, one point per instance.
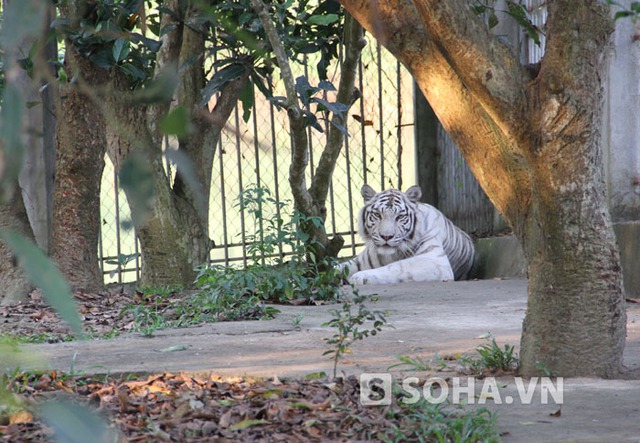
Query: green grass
(427, 422)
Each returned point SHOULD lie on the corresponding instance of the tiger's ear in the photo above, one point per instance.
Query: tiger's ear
(367, 192)
(414, 193)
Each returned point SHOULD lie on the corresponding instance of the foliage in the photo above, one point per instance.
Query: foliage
(633, 12)
(107, 33)
(239, 42)
(281, 267)
(166, 307)
(277, 272)
(348, 321)
(121, 262)
(493, 358)
(308, 95)
(428, 422)
(418, 364)
(515, 10)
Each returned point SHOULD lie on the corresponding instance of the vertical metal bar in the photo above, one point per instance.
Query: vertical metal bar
(309, 128)
(118, 248)
(101, 252)
(350, 196)
(362, 123)
(274, 152)
(380, 117)
(256, 154)
(225, 226)
(241, 186)
(399, 132)
(138, 260)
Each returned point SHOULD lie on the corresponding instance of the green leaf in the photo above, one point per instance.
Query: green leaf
(493, 19)
(187, 171)
(21, 20)
(44, 274)
(177, 122)
(159, 89)
(121, 49)
(74, 423)
(323, 20)
(219, 80)
(622, 14)
(10, 132)
(519, 14)
(247, 99)
(137, 180)
(247, 423)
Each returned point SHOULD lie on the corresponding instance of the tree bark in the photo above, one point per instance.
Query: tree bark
(81, 144)
(174, 237)
(14, 284)
(533, 143)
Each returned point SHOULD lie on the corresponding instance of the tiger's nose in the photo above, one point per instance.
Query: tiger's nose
(386, 237)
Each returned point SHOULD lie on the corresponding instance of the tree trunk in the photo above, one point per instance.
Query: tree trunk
(14, 285)
(81, 145)
(576, 319)
(174, 236)
(532, 140)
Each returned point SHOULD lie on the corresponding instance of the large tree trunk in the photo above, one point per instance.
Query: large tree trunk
(81, 145)
(532, 139)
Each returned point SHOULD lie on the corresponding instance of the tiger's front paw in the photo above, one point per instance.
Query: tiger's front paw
(369, 277)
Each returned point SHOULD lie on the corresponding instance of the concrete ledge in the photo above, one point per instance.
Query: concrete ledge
(502, 257)
(628, 235)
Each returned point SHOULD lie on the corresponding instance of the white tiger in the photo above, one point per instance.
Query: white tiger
(407, 241)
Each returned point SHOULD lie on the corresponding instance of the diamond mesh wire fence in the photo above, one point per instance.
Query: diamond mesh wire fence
(379, 151)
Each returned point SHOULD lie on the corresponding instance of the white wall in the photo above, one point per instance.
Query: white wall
(621, 134)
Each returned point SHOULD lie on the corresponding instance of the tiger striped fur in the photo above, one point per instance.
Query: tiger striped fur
(406, 240)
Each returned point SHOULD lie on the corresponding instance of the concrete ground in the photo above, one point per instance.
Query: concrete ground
(428, 319)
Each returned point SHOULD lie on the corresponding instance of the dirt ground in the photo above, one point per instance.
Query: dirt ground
(444, 320)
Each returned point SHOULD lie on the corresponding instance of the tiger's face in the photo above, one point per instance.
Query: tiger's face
(388, 218)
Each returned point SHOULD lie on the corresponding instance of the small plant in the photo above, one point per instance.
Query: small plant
(424, 421)
(544, 369)
(297, 320)
(147, 319)
(418, 364)
(280, 266)
(121, 262)
(349, 321)
(494, 358)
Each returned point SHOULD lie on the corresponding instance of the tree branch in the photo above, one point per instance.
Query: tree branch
(484, 64)
(486, 147)
(299, 141)
(347, 95)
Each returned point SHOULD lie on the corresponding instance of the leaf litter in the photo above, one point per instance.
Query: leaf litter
(208, 408)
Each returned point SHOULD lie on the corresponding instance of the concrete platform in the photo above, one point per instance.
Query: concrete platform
(429, 318)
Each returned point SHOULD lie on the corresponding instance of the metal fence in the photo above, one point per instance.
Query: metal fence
(380, 151)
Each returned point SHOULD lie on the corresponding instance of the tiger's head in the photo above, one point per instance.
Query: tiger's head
(388, 219)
